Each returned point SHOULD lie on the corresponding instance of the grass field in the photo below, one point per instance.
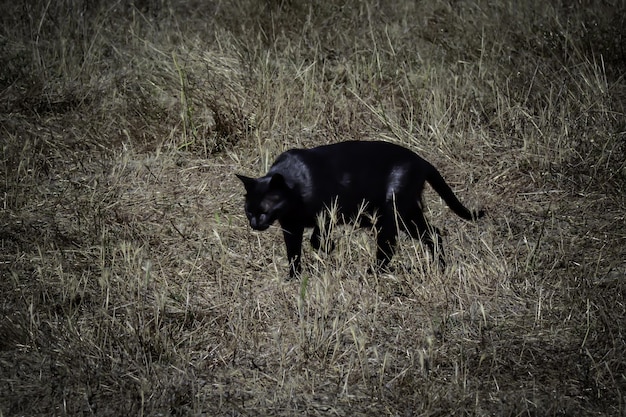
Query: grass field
(131, 283)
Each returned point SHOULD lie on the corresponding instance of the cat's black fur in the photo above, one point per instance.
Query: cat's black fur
(303, 183)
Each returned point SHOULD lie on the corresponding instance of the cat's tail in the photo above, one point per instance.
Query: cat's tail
(435, 179)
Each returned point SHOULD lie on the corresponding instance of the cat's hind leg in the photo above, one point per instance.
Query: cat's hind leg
(386, 237)
(418, 228)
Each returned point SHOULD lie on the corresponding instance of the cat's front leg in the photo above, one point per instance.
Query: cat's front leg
(293, 242)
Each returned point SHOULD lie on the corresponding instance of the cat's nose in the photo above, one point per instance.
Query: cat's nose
(258, 224)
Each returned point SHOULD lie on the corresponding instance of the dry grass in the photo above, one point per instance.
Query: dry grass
(132, 285)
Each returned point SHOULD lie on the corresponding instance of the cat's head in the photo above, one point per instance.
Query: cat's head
(267, 198)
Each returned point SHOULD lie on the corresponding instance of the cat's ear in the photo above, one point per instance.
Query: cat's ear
(248, 182)
(278, 181)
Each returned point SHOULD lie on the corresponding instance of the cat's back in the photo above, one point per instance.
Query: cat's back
(362, 156)
(358, 161)
(354, 150)
(361, 148)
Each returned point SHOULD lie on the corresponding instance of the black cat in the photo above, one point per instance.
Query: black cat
(388, 178)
